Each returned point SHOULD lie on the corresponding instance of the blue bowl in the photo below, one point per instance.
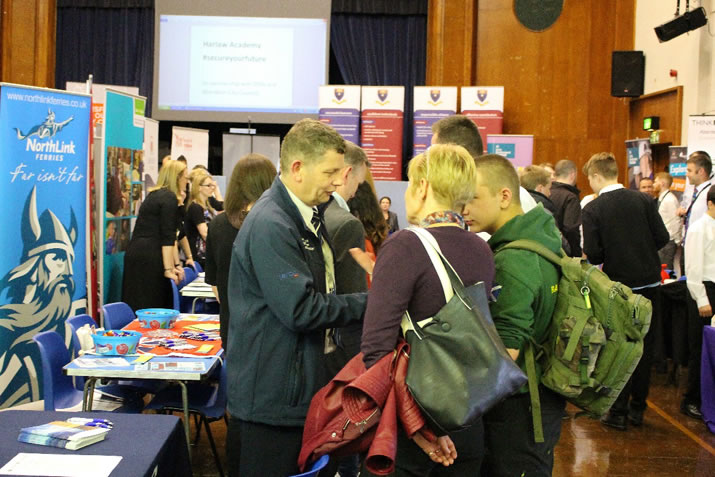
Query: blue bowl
(157, 318)
(116, 342)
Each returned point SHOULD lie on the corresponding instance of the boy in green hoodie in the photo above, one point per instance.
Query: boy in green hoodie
(522, 312)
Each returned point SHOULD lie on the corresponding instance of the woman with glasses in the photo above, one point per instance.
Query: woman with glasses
(199, 213)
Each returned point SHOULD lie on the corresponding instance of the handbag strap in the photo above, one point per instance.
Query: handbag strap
(451, 283)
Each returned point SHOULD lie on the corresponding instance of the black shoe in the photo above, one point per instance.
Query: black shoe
(691, 410)
(617, 422)
(635, 417)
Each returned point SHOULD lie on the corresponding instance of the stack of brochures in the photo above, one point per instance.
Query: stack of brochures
(63, 434)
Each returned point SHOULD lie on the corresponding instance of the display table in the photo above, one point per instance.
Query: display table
(707, 378)
(148, 443)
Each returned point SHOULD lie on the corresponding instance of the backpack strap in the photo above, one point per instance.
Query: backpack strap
(537, 248)
(533, 392)
(529, 360)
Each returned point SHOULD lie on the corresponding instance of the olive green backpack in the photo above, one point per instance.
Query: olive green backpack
(595, 339)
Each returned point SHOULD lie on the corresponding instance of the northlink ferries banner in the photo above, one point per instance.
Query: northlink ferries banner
(44, 145)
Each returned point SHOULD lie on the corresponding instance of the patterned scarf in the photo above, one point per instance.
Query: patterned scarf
(442, 217)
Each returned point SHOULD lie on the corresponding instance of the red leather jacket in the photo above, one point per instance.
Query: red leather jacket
(358, 411)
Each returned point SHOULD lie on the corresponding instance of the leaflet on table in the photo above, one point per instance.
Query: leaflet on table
(100, 362)
(192, 317)
(60, 465)
(172, 366)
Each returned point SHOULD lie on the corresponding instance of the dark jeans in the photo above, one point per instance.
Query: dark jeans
(509, 436)
(263, 450)
(411, 461)
(695, 344)
(635, 392)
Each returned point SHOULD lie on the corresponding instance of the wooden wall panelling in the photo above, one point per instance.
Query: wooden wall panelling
(451, 37)
(28, 42)
(557, 82)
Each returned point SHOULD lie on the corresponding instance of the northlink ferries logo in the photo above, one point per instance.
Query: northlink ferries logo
(45, 130)
(47, 150)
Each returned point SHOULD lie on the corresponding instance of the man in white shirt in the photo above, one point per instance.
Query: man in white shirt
(699, 169)
(700, 259)
(668, 209)
(700, 272)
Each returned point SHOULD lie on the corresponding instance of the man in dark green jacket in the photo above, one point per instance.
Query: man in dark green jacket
(522, 312)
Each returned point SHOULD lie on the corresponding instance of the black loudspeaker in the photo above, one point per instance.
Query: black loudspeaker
(627, 73)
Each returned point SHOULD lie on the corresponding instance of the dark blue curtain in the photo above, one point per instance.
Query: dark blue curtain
(115, 45)
(382, 50)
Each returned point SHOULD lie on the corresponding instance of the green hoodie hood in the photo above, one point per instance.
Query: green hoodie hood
(537, 225)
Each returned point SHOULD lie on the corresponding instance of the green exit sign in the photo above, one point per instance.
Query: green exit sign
(651, 122)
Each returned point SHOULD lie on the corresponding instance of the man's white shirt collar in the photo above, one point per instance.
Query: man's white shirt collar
(340, 201)
(305, 210)
(610, 188)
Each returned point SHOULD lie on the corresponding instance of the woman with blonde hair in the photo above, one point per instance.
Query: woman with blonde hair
(151, 255)
(441, 182)
(199, 213)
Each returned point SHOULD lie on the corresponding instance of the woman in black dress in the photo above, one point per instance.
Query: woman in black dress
(152, 256)
(390, 216)
(199, 214)
(252, 175)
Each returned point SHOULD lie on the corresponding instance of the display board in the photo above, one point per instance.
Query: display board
(485, 106)
(431, 103)
(235, 146)
(44, 153)
(123, 189)
(191, 143)
(340, 109)
(381, 136)
(518, 148)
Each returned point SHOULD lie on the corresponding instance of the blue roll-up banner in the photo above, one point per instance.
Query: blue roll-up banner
(44, 152)
(431, 103)
(123, 168)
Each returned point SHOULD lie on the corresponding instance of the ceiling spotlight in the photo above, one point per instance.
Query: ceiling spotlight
(684, 23)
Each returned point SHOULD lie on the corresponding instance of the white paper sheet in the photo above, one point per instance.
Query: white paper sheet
(61, 465)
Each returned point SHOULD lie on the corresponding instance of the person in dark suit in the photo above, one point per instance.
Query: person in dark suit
(346, 232)
(390, 216)
(623, 231)
(565, 196)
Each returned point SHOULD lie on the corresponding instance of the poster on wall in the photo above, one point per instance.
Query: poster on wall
(383, 110)
(518, 148)
(191, 143)
(485, 106)
(340, 108)
(44, 151)
(151, 152)
(640, 161)
(431, 103)
(123, 167)
(678, 155)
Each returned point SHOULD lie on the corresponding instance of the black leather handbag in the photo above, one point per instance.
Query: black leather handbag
(459, 367)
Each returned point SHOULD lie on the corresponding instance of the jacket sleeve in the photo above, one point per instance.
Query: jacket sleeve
(572, 224)
(512, 312)
(592, 245)
(210, 266)
(349, 276)
(286, 283)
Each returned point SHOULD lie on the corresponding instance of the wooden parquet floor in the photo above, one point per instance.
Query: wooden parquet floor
(668, 444)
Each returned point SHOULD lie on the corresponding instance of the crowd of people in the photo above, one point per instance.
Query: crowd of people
(312, 270)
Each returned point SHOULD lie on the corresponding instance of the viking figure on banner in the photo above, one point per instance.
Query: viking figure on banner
(38, 297)
(45, 130)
